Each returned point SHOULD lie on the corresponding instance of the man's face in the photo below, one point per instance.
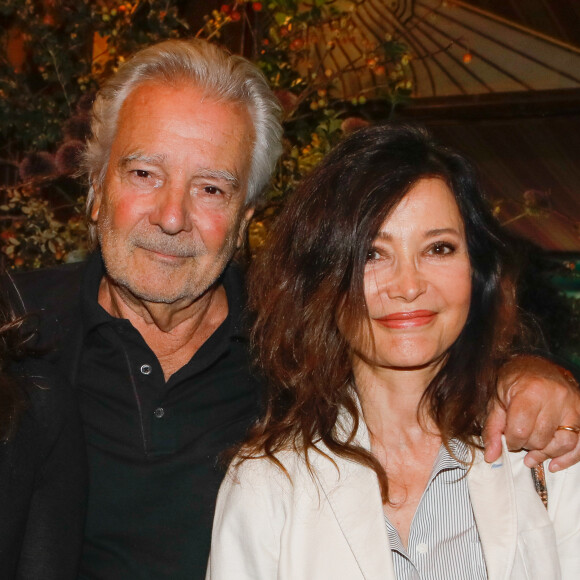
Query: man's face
(171, 212)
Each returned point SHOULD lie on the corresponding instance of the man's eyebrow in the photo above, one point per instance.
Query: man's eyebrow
(221, 174)
(157, 159)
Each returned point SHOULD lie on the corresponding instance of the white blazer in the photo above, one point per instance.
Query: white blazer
(331, 526)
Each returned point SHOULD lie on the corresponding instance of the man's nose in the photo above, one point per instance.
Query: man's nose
(172, 209)
(406, 282)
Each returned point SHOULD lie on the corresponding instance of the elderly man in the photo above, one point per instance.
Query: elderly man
(150, 330)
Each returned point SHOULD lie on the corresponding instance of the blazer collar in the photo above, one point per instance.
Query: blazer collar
(353, 494)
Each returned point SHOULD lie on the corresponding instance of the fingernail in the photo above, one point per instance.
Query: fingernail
(554, 468)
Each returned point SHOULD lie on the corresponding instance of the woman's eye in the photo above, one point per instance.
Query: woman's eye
(373, 255)
(441, 249)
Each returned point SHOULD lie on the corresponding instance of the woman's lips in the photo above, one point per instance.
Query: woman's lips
(407, 319)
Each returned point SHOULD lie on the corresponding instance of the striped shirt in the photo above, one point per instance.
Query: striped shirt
(443, 540)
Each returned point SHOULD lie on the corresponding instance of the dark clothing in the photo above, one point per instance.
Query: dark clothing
(42, 481)
(152, 445)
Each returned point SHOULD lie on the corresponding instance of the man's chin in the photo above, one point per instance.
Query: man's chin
(160, 295)
(157, 293)
(154, 283)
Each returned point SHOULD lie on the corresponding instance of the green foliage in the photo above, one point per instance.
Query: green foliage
(57, 41)
(54, 56)
(35, 236)
(69, 46)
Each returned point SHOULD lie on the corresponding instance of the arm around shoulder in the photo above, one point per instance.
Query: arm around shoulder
(537, 396)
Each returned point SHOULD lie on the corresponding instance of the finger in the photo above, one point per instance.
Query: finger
(562, 443)
(492, 433)
(534, 458)
(548, 438)
(542, 437)
(566, 460)
(526, 425)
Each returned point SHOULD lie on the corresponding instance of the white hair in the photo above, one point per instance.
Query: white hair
(206, 66)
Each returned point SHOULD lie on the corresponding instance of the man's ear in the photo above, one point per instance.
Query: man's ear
(96, 207)
(248, 213)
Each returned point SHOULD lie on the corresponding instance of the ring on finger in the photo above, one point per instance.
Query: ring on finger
(568, 428)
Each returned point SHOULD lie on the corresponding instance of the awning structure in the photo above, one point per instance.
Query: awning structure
(460, 49)
(500, 80)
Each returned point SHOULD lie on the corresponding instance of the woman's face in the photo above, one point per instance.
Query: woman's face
(417, 281)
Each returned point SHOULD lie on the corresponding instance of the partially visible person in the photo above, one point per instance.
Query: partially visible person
(43, 471)
(386, 309)
(151, 329)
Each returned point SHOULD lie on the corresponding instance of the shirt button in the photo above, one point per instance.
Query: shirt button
(146, 369)
(159, 412)
(422, 548)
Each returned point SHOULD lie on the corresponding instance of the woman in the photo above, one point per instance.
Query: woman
(385, 305)
(42, 464)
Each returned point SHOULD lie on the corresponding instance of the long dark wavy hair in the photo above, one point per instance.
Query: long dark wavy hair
(312, 270)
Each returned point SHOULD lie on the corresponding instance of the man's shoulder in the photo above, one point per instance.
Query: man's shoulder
(50, 301)
(60, 275)
(47, 289)
(234, 281)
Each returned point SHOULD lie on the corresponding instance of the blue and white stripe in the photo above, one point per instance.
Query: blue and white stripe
(443, 540)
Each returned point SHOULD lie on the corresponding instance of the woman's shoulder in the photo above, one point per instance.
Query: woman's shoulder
(255, 469)
(287, 470)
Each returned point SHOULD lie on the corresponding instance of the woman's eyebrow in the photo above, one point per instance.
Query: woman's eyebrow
(440, 231)
(428, 234)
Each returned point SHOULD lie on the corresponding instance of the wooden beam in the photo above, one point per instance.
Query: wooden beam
(559, 103)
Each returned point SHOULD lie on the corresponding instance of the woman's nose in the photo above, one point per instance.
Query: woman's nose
(407, 282)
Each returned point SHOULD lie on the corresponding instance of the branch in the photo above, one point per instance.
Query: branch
(54, 62)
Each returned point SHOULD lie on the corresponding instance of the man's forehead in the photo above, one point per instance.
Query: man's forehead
(142, 93)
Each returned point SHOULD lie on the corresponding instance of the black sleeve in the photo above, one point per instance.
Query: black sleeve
(54, 528)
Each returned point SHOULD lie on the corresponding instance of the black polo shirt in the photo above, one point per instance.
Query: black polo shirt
(153, 445)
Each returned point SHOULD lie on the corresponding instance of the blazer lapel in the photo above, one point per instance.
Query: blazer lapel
(492, 495)
(353, 494)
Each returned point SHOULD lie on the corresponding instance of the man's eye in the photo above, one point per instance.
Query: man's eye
(212, 190)
(141, 173)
